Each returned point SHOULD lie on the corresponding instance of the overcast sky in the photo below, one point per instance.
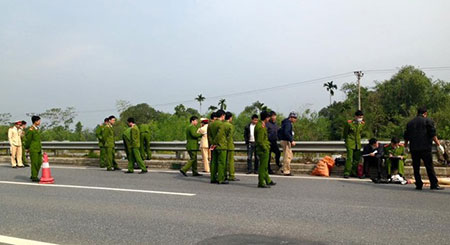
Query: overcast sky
(89, 54)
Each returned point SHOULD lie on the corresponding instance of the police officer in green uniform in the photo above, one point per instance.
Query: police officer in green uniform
(34, 146)
(109, 144)
(263, 151)
(146, 153)
(352, 138)
(126, 138)
(99, 135)
(229, 131)
(218, 141)
(134, 148)
(395, 157)
(23, 138)
(192, 147)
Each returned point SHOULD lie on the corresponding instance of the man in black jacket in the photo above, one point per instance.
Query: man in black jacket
(373, 154)
(421, 133)
(272, 130)
(249, 137)
(286, 136)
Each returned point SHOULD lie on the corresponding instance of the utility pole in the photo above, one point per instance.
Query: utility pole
(358, 75)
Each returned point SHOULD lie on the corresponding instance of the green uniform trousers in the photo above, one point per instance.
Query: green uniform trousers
(146, 153)
(353, 159)
(192, 163)
(102, 157)
(134, 155)
(218, 165)
(230, 165)
(263, 170)
(109, 158)
(36, 162)
(400, 169)
(24, 155)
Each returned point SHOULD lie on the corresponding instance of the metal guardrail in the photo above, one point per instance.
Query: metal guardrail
(335, 147)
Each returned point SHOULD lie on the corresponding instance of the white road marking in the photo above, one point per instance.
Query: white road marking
(19, 241)
(99, 188)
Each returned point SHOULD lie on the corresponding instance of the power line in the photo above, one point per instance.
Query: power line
(283, 86)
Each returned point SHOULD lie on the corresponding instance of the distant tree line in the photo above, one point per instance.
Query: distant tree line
(387, 106)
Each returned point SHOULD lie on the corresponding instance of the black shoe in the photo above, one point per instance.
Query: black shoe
(223, 183)
(20, 166)
(36, 180)
(362, 177)
(346, 176)
(289, 174)
(109, 169)
(249, 172)
(234, 179)
(263, 186)
(271, 172)
(117, 168)
(197, 174)
(143, 172)
(419, 188)
(272, 183)
(214, 182)
(26, 165)
(437, 188)
(14, 167)
(183, 173)
(128, 172)
(255, 172)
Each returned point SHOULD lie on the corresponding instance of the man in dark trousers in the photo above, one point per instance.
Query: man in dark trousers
(420, 133)
(272, 130)
(373, 155)
(249, 137)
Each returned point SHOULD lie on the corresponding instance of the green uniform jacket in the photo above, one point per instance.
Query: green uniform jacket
(261, 138)
(23, 137)
(135, 137)
(33, 140)
(192, 138)
(99, 134)
(144, 128)
(126, 136)
(217, 136)
(229, 132)
(399, 151)
(352, 134)
(108, 136)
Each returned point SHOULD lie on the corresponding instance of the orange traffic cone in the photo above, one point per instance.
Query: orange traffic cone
(46, 177)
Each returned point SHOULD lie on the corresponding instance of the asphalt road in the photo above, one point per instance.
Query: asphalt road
(92, 206)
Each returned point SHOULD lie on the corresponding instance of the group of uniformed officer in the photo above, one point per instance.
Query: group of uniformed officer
(136, 142)
(420, 133)
(220, 135)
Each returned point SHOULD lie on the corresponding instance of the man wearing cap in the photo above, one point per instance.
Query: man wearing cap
(192, 147)
(134, 148)
(420, 133)
(204, 146)
(286, 136)
(352, 138)
(15, 143)
(34, 146)
(23, 131)
(99, 135)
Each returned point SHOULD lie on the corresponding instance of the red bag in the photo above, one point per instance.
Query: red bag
(360, 170)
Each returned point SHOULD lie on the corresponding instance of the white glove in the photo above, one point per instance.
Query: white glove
(441, 149)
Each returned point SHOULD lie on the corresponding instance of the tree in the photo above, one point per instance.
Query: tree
(5, 118)
(142, 113)
(212, 108)
(56, 117)
(122, 105)
(200, 98)
(330, 88)
(222, 104)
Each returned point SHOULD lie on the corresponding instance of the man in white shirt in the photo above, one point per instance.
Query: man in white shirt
(249, 136)
(15, 142)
